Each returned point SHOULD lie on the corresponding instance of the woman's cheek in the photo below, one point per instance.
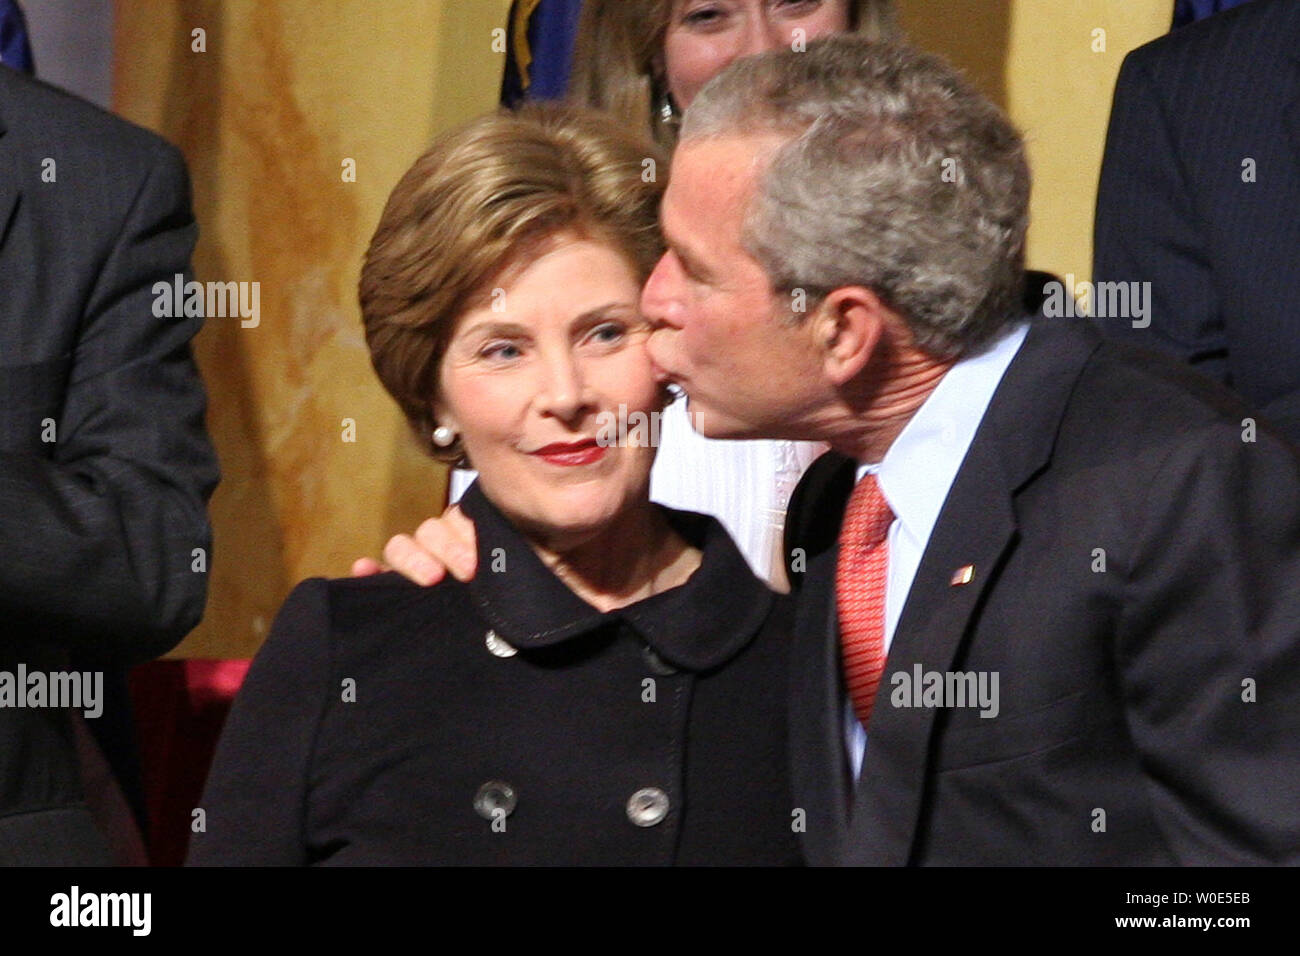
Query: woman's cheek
(690, 66)
(491, 404)
(638, 386)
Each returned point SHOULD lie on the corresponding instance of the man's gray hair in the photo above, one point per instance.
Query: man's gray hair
(898, 176)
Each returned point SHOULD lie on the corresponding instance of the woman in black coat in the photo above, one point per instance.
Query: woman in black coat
(610, 689)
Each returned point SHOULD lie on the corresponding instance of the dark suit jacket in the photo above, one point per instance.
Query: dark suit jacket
(1120, 684)
(683, 692)
(1222, 254)
(97, 526)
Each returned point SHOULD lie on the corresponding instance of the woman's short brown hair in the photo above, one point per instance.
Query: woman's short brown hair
(619, 47)
(481, 197)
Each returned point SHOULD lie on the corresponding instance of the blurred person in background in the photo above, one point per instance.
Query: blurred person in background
(1200, 197)
(105, 463)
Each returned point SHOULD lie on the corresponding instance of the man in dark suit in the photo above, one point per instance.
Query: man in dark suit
(1058, 622)
(105, 465)
(1200, 196)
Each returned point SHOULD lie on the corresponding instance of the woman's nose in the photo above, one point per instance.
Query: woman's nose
(760, 34)
(563, 392)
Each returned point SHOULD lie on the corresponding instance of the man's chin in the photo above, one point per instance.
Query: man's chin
(713, 424)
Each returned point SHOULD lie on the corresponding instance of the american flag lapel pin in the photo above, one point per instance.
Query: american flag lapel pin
(962, 575)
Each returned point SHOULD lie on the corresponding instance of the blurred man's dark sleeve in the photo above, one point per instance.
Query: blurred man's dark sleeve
(105, 463)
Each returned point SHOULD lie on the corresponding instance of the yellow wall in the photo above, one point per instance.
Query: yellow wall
(1036, 59)
(283, 94)
(285, 91)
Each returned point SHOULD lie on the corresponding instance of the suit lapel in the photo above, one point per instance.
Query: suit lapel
(818, 772)
(816, 739)
(976, 527)
(8, 183)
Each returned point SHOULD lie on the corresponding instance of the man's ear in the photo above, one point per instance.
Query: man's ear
(850, 323)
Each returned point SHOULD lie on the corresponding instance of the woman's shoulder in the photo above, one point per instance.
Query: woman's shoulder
(348, 613)
(389, 591)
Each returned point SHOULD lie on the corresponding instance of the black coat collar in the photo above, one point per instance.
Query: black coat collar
(696, 626)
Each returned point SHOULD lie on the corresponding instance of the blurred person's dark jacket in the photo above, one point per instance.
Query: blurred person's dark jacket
(105, 464)
(1200, 196)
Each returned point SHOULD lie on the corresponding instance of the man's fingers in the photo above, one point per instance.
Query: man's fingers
(412, 561)
(364, 567)
(450, 540)
(438, 546)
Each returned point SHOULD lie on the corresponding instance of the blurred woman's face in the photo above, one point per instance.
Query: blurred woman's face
(537, 377)
(705, 35)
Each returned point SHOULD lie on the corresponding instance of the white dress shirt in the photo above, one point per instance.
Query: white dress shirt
(916, 474)
(744, 484)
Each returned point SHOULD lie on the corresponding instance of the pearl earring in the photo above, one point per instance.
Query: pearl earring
(443, 436)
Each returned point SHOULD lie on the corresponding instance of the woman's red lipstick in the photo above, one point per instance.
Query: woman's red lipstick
(570, 454)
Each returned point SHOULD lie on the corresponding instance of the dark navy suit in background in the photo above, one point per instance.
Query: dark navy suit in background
(1198, 115)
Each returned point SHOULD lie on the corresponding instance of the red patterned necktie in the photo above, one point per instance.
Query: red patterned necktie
(860, 592)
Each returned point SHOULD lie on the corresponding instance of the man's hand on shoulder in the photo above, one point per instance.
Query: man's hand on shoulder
(439, 545)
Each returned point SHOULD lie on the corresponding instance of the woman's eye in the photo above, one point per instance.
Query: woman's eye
(702, 17)
(608, 333)
(500, 351)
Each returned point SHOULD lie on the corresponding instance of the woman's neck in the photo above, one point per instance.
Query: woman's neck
(636, 555)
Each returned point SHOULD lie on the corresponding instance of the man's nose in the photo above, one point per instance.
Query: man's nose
(654, 295)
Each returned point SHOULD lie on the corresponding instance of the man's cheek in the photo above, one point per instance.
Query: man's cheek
(697, 344)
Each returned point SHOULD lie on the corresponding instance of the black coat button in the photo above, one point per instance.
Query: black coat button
(494, 796)
(647, 807)
(498, 646)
